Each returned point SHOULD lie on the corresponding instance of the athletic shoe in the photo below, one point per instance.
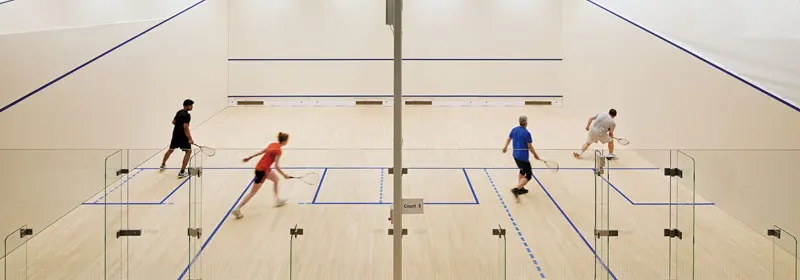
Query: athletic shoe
(280, 202)
(161, 169)
(182, 175)
(523, 191)
(237, 213)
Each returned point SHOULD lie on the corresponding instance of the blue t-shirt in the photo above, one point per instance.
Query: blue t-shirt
(520, 138)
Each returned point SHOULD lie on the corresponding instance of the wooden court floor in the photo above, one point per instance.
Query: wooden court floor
(454, 164)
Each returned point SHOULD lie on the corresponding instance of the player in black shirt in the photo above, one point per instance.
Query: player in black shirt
(181, 137)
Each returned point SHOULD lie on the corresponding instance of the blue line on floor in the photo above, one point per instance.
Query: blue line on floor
(319, 186)
(514, 223)
(470, 186)
(162, 202)
(380, 203)
(418, 168)
(574, 227)
(126, 203)
(380, 198)
(654, 203)
(213, 233)
(174, 190)
(117, 187)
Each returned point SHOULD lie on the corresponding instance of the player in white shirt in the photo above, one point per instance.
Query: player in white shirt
(601, 129)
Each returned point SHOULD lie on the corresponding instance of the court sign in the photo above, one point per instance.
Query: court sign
(413, 206)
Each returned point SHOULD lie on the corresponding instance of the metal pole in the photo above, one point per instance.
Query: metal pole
(397, 214)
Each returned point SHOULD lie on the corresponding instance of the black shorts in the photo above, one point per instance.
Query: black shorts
(180, 142)
(524, 168)
(260, 176)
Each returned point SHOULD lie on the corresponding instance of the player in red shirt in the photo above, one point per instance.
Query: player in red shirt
(272, 154)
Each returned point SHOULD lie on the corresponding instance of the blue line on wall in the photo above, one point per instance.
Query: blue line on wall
(405, 95)
(15, 102)
(391, 59)
(764, 91)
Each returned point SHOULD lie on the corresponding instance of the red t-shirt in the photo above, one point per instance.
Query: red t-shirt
(273, 150)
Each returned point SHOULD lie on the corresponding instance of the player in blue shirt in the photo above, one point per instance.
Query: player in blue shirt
(522, 144)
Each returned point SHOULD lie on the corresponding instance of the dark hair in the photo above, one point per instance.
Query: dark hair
(612, 112)
(282, 137)
(188, 102)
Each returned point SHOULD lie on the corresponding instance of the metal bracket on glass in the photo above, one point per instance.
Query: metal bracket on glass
(294, 232)
(672, 172)
(774, 232)
(607, 232)
(391, 231)
(195, 171)
(129, 232)
(500, 232)
(123, 171)
(25, 232)
(673, 232)
(391, 170)
(195, 232)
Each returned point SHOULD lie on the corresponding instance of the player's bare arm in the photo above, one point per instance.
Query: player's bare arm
(278, 167)
(590, 122)
(255, 155)
(505, 148)
(533, 151)
(188, 134)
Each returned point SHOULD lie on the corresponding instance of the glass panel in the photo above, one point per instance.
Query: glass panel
(738, 194)
(45, 190)
(784, 262)
(195, 222)
(115, 200)
(340, 205)
(602, 242)
(15, 264)
(502, 252)
(637, 197)
(684, 200)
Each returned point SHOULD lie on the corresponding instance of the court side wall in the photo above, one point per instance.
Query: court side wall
(319, 47)
(759, 40)
(40, 15)
(668, 99)
(125, 99)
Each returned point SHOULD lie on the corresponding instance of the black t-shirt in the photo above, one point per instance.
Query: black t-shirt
(181, 117)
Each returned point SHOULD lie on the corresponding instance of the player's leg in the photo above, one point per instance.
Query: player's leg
(523, 178)
(187, 154)
(610, 146)
(274, 178)
(257, 182)
(172, 146)
(528, 175)
(590, 138)
(166, 157)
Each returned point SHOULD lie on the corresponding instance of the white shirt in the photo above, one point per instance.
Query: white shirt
(603, 123)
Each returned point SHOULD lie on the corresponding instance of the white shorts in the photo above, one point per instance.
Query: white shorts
(595, 137)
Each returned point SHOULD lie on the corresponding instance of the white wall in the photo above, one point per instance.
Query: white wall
(668, 99)
(39, 15)
(125, 99)
(758, 40)
(432, 29)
